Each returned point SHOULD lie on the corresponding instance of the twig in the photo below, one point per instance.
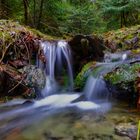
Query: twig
(16, 85)
(3, 54)
(27, 51)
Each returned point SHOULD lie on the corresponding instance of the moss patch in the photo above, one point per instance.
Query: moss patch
(125, 73)
(9, 29)
(123, 39)
(83, 75)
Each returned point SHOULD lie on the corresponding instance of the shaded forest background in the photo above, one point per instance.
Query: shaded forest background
(59, 17)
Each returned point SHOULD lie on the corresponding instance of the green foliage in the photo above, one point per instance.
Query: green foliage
(60, 17)
(123, 12)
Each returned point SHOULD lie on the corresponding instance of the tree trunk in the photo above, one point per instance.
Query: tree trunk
(124, 20)
(34, 13)
(25, 2)
(121, 20)
(40, 13)
(3, 9)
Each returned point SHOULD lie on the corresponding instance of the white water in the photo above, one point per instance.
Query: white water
(96, 90)
(58, 100)
(120, 56)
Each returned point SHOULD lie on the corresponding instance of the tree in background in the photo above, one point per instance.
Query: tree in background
(59, 17)
(26, 10)
(4, 9)
(120, 12)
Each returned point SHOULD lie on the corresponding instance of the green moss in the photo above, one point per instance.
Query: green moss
(82, 76)
(89, 69)
(124, 74)
(11, 30)
(41, 35)
(121, 36)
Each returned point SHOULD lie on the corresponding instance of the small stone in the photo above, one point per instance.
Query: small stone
(126, 129)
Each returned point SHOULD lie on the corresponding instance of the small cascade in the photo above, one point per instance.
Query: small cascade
(116, 57)
(58, 57)
(96, 90)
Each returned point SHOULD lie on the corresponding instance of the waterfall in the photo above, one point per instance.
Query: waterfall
(95, 88)
(58, 57)
(59, 60)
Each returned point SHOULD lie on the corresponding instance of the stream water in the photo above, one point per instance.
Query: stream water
(62, 114)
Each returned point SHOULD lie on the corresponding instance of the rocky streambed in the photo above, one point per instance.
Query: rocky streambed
(120, 123)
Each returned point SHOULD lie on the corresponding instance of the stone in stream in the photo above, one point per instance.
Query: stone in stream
(35, 77)
(126, 129)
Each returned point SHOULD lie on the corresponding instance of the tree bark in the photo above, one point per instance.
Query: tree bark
(121, 20)
(40, 13)
(124, 20)
(25, 2)
(34, 13)
(3, 10)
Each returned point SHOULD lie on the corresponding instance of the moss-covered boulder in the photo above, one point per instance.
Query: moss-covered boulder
(123, 79)
(85, 49)
(95, 69)
(123, 74)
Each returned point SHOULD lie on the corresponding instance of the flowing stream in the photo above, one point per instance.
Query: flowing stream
(61, 113)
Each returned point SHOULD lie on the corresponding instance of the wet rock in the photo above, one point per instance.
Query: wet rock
(85, 49)
(48, 136)
(114, 57)
(126, 129)
(28, 102)
(82, 76)
(123, 79)
(35, 77)
(94, 136)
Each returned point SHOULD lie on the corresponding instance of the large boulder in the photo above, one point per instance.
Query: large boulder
(120, 78)
(85, 49)
(35, 77)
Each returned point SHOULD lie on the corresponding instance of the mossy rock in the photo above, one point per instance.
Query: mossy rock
(120, 75)
(83, 75)
(35, 77)
(125, 73)
(91, 68)
(123, 80)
